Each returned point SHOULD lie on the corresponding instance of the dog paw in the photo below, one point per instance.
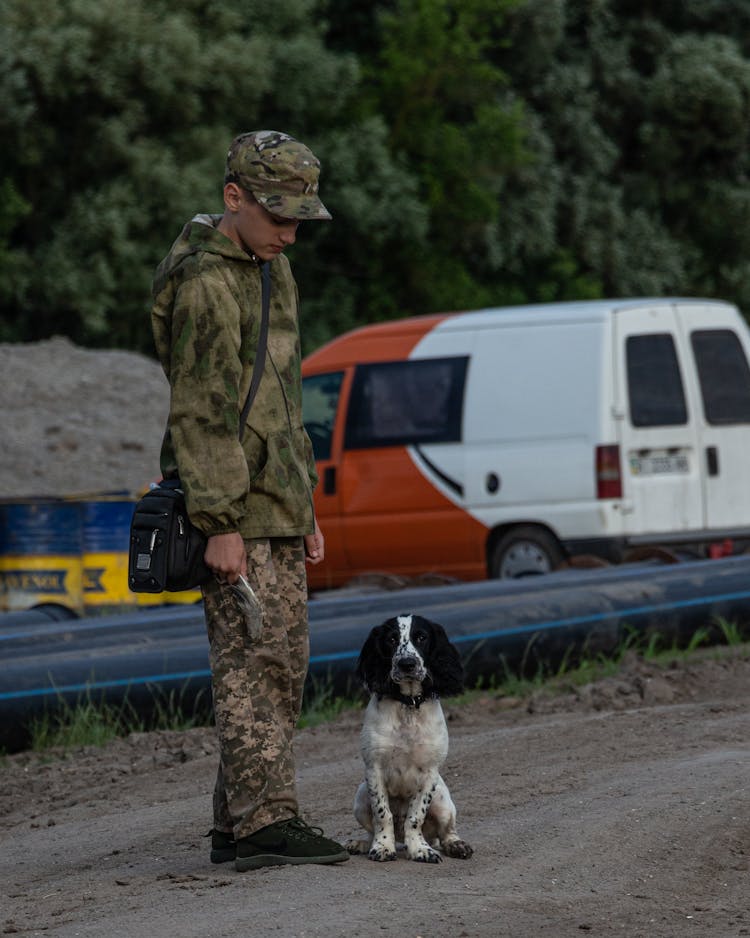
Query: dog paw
(458, 849)
(357, 846)
(425, 855)
(381, 854)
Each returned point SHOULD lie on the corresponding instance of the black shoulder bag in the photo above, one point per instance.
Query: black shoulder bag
(166, 550)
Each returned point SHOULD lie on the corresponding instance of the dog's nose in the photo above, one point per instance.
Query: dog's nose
(407, 664)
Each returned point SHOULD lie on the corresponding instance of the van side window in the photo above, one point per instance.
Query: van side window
(320, 400)
(406, 402)
(655, 391)
(723, 374)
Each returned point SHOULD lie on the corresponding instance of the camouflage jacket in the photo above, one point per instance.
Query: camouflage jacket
(206, 321)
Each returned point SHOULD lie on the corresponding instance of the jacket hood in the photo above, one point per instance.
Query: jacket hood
(200, 234)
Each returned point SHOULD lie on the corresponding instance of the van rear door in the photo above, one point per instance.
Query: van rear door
(656, 409)
(718, 342)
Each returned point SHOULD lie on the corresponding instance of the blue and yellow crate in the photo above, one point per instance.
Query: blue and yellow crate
(72, 553)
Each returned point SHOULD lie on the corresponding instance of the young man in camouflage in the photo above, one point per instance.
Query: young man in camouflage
(253, 499)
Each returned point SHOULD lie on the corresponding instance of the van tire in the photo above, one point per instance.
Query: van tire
(525, 550)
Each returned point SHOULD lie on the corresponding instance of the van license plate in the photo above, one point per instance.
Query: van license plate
(659, 464)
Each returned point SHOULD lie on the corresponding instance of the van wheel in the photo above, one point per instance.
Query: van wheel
(525, 551)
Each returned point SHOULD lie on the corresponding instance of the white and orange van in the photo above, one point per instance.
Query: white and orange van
(499, 442)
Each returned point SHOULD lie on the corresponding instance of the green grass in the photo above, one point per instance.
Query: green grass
(82, 724)
(580, 667)
(732, 633)
(94, 722)
(321, 705)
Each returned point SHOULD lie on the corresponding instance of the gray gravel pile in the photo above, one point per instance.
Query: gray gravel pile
(78, 421)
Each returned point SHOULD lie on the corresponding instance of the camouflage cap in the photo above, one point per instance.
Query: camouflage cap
(281, 173)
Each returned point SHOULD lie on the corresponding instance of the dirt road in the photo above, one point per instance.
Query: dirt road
(620, 809)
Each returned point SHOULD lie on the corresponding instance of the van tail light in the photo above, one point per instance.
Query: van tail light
(608, 474)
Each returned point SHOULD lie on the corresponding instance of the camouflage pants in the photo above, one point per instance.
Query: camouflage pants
(258, 670)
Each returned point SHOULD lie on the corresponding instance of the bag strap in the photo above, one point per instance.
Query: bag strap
(260, 355)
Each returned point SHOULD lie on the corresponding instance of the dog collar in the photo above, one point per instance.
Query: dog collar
(409, 701)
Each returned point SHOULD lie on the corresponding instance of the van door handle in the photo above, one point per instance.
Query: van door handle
(712, 460)
(329, 480)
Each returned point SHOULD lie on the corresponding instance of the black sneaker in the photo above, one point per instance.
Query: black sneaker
(223, 847)
(289, 841)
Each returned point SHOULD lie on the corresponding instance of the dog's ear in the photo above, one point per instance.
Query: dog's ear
(373, 670)
(444, 664)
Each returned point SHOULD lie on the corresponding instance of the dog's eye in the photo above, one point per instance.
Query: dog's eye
(392, 640)
(419, 638)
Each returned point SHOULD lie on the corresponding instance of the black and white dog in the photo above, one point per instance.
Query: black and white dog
(407, 664)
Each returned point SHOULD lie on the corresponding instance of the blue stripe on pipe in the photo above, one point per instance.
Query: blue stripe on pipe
(597, 616)
(102, 685)
(563, 623)
(41, 629)
(344, 655)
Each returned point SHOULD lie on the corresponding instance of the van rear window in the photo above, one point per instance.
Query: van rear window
(655, 391)
(723, 374)
(406, 402)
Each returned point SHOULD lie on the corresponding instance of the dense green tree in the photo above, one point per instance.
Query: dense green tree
(12, 210)
(484, 163)
(640, 112)
(453, 124)
(440, 136)
(474, 153)
(115, 120)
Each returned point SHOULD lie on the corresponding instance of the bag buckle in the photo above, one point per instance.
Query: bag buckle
(143, 561)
